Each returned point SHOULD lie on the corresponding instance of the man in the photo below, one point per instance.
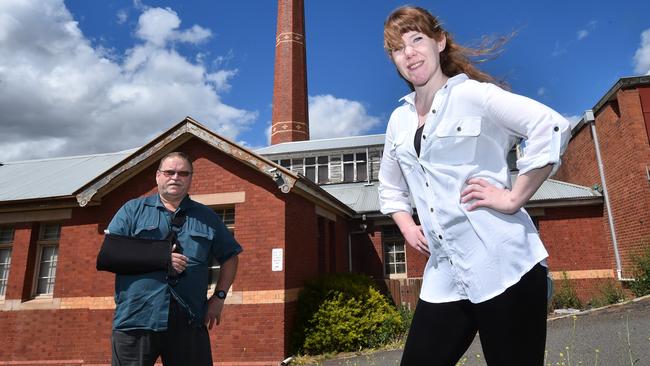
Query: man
(165, 313)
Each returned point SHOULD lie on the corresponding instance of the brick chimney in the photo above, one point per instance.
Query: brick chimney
(290, 120)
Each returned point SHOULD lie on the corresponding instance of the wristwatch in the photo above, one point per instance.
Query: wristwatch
(221, 294)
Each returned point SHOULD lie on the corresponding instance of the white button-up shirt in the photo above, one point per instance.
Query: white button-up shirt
(472, 126)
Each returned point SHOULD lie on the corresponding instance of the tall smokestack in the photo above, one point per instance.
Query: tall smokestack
(290, 120)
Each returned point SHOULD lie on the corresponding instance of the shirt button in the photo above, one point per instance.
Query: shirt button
(426, 184)
(451, 262)
(458, 128)
(424, 137)
(556, 129)
(433, 111)
(439, 236)
(431, 209)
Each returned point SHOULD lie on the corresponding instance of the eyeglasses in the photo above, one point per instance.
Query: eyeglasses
(171, 173)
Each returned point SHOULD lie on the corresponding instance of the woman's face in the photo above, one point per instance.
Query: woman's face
(419, 58)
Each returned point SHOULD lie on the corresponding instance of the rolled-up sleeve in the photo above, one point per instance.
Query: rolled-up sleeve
(393, 189)
(546, 132)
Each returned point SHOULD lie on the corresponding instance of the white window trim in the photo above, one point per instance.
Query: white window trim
(393, 275)
(40, 245)
(354, 162)
(8, 245)
(231, 228)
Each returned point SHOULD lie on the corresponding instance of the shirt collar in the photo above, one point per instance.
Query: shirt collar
(454, 80)
(154, 201)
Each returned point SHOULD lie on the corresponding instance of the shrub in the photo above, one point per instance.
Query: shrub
(344, 312)
(641, 284)
(610, 293)
(565, 296)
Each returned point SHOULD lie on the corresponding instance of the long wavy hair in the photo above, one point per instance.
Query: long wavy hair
(454, 59)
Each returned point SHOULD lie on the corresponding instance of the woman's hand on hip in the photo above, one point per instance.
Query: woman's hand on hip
(483, 194)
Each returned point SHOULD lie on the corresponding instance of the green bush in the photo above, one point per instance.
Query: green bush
(610, 293)
(344, 312)
(565, 297)
(641, 284)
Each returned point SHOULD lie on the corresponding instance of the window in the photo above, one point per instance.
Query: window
(227, 215)
(6, 238)
(355, 167)
(394, 252)
(48, 249)
(317, 169)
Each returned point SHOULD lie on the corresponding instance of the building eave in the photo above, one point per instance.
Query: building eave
(167, 142)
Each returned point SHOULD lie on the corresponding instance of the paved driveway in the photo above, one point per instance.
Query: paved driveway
(611, 336)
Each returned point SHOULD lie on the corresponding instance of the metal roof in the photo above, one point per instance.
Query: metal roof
(364, 198)
(553, 189)
(44, 178)
(324, 144)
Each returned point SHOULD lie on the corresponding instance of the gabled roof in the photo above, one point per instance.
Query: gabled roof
(339, 143)
(88, 178)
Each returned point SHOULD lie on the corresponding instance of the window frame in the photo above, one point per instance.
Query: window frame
(41, 244)
(393, 238)
(355, 169)
(6, 245)
(231, 227)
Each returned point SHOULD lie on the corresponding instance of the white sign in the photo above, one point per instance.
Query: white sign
(276, 259)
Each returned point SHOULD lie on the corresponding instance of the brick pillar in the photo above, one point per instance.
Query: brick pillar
(290, 120)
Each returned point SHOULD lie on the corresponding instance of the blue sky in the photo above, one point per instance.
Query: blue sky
(80, 77)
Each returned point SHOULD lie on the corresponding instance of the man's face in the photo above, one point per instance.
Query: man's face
(172, 185)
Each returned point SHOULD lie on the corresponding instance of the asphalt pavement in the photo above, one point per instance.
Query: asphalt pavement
(610, 336)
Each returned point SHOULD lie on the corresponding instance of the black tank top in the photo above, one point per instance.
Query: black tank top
(418, 139)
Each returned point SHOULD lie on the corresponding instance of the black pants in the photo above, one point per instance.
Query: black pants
(180, 345)
(511, 326)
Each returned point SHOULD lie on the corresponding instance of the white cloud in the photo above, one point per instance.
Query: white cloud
(122, 16)
(642, 54)
(61, 96)
(582, 33)
(336, 117)
(158, 26)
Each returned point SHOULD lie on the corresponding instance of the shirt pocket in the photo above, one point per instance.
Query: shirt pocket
(147, 226)
(201, 237)
(456, 140)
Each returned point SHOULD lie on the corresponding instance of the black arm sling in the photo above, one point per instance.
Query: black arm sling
(128, 255)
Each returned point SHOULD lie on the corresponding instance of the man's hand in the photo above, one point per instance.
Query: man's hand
(485, 194)
(179, 261)
(213, 315)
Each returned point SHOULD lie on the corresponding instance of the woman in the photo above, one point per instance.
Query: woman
(446, 146)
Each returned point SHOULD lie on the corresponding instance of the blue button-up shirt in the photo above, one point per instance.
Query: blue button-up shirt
(142, 300)
(468, 133)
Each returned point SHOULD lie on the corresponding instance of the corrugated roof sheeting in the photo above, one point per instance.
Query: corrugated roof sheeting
(31, 179)
(365, 198)
(325, 144)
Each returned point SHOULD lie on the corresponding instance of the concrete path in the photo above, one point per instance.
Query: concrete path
(610, 336)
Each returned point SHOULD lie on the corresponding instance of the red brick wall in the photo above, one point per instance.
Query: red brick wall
(254, 332)
(625, 151)
(575, 239)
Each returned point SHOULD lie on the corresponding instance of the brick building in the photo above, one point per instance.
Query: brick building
(52, 226)
(300, 208)
(616, 136)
